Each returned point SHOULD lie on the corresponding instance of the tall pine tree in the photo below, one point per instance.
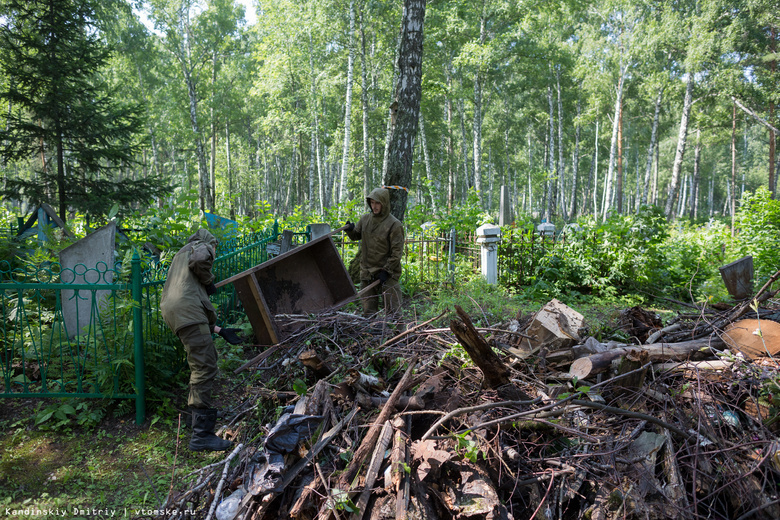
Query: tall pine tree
(60, 114)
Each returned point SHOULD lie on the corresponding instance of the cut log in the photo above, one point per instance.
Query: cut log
(754, 338)
(495, 372)
(682, 351)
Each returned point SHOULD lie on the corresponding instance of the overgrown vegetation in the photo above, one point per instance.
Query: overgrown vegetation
(599, 268)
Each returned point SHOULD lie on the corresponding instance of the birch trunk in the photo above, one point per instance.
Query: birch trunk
(478, 114)
(651, 147)
(464, 147)
(367, 181)
(575, 170)
(409, 92)
(619, 183)
(696, 177)
(231, 199)
(681, 142)
(183, 52)
(213, 116)
(427, 160)
(561, 164)
(450, 169)
(549, 194)
(607, 196)
(342, 191)
(733, 197)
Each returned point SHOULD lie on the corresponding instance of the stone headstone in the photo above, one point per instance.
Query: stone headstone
(318, 230)
(88, 261)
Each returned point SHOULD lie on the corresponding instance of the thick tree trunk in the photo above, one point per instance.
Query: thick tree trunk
(348, 106)
(409, 92)
(681, 141)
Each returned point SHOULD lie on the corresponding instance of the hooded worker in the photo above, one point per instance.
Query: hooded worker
(381, 249)
(186, 309)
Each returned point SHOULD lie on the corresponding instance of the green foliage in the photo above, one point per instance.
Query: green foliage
(466, 217)
(468, 447)
(602, 258)
(67, 412)
(758, 221)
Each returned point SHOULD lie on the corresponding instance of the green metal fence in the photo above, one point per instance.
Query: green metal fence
(95, 332)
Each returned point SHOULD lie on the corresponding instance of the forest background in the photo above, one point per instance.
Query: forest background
(580, 108)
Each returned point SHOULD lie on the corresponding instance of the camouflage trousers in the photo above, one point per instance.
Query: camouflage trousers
(202, 359)
(390, 292)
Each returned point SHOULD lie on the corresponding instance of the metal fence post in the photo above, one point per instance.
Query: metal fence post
(453, 236)
(138, 341)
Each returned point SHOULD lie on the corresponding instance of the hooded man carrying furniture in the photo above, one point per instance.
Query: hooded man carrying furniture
(381, 248)
(186, 309)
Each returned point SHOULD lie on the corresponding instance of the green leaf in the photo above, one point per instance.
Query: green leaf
(300, 387)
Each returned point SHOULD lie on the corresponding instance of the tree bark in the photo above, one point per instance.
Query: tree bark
(478, 113)
(495, 372)
(348, 106)
(367, 181)
(681, 142)
(651, 147)
(613, 152)
(733, 196)
(409, 92)
(575, 167)
(596, 363)
(561, 162)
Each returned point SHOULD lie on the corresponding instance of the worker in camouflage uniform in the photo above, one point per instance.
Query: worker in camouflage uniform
(381, 248)
(186, 309)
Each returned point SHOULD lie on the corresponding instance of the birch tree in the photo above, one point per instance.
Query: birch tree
(408, 92)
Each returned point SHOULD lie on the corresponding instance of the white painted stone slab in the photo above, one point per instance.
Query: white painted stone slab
(88, 261)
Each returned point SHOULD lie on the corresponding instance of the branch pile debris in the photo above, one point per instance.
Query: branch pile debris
(403, 423)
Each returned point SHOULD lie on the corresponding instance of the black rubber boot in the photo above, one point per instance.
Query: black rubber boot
(203, 438)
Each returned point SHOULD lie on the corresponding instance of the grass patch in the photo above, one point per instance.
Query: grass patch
(111, 470)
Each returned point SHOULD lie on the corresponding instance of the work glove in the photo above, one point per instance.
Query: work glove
(231, 335)
(382, 276)
(211, 289)
(349, 226)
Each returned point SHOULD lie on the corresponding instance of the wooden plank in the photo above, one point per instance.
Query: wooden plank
(256, 310)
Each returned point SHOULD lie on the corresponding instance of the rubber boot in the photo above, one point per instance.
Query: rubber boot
(203, 438)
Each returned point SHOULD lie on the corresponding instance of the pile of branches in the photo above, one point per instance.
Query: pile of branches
(399, 422)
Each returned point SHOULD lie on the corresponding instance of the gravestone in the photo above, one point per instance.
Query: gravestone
(318, 230)
(88, 261)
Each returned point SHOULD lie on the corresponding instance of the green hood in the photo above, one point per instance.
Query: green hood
(382, 196)
(204, 236)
